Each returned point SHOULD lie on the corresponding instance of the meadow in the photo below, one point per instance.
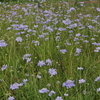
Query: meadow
(49, 51)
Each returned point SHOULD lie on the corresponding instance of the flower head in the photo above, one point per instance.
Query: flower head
(41, 63)
(59, 98)
(52, 71)
(11, 98)
(68, 84)
(44, 90)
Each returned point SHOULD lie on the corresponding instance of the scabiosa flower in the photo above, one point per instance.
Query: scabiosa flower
(78, 50)
(63, 51)
(51, 92)
(80, 68)
(59, 98)
(24, 81)
(26, 57)
(4, 67)
(43, 90)
(11, 98)
(49, 62)
(2, 43)
(68, 84)
(97, 79)
(41, 63)
(65, 94)
(98, 9)
(19, 39)
(81, 81)
(52, 71)
(98, 90)
(15, 86)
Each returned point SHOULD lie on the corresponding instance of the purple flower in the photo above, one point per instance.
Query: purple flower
(52, 92)
(41, 63)
(98, 9)
(80, 68)
(43, 90)
(15, 86)
(19, 39)
(11, 98)
(81, 81)
(52, 71)
(78, 50)
(97, 79)
(98, 90)
(4, 67)
(49, 62)
(59, 98)
(63, 51)
(2, 43)
(68, 84)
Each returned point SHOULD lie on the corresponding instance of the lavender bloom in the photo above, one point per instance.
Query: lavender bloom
(4, 67)
(2, 43)
(98, 90)
(80, 68)
(81, 81)
(98, 9)
(15, 86)
(66, 22)
(52, 92)
(68, 84)
(52, 71)
(78, 50)
(59, 98)
(97, 79)
(65, 94)
(63, 51)
(49, 62)
(19, 39)
(24, 81)
(43, 90)
(41, 63)
(26, 56)
(11, 98)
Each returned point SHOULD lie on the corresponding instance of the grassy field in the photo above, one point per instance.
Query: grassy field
(49, 51)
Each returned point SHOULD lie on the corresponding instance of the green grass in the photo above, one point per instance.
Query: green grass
(65, 64)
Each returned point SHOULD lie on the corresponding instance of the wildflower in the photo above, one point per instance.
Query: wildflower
(26, 56)
(4, 67)
(44, 90)
(97, 79)
(49, 62)
(63, 51)
(80, 68)
(98, 9)
(98, 90)
(67, 22)
(59, 98)
(68, 84)
(52, 71)
(11, 98)
(81, 81)
(41, 63)
(15, 86)
(65, 94)
(52, 92)
(25, 80)
(19, 39)
(78, 50)
(2, 43)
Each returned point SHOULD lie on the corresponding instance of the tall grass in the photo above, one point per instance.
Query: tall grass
(49, 51)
